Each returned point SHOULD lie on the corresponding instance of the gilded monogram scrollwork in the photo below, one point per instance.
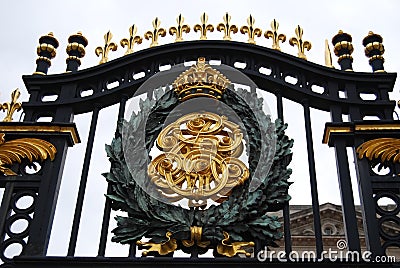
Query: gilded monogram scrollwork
(199, 159)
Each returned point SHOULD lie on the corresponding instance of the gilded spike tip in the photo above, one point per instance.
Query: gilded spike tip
(384, 149)
(157, 31)
(300, 43)
(203, 27)
(133, 38)
(273, 33)
(108, 46)
(179, 29)
(11, 107)
(227, 27)
(328, 55)
(251, 31)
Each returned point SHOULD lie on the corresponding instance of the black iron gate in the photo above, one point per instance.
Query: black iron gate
(70, 88)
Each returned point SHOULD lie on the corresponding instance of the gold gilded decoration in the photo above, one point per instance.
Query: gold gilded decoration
(195, 237)
(203, 27)
(275, 36)
(234, 248)
(300, 43)
(206, 81)
(133, 38)
(163, 248)
(157, 31)
(179, 29)
(251, 31)
(328, 55)
(30, 148)
(227, 27)
(67, 130)
(108, 45)
(386, 149)
(200, 159)
(48, 47)
(11, 107)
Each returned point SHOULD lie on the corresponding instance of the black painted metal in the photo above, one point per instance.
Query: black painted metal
(286, 208)
(313, 180)
(42, 187)
(82, 185)
(107, 205)
(346, 191)
(87, 90)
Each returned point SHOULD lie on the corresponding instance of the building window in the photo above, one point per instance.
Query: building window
(329, 229)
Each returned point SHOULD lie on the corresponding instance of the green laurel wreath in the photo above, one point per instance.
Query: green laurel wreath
(243, 215)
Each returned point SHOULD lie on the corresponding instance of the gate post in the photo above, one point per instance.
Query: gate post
(366, 138)
(31, 195)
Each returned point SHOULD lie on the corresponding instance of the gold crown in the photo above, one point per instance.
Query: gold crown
(201, 80)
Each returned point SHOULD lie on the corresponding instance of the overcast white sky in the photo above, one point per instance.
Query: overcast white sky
(23, 22)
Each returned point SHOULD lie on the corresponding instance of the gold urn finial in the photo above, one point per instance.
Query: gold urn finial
(133, 38)
(251, 30)
(179, 29)
(157, 31)
(227, 27)
(12, 107)
(300, 43)
(201, 77)
(203, 27)
(108, 46)
(275, 36)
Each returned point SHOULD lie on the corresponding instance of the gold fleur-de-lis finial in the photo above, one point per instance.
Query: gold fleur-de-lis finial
(179, 29)
(11, 107)
(133, 38)
(227, 27)
(203, 27)
(250, 30)
(275, 36)
(300, 43)
(108, 45)
(157, 31)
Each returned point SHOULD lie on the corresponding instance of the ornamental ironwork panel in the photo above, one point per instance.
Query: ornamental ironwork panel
(201, 166)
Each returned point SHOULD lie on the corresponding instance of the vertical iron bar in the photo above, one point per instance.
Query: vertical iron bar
(4, 208)
(82, 185)
(346, 193)
(286, 207)
(368, 206)
(313, 179)
(107, 205)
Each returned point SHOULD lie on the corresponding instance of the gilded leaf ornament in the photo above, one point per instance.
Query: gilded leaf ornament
(275, 36)
(251, 31)
(300, 43)
(15, 150)
(232, 249)
(13, 106)
(108, 46)
(385, 149)
(162, 248)
(203, 27)
(179, 29)
(133, 38)
(157, 31)
(226, 27)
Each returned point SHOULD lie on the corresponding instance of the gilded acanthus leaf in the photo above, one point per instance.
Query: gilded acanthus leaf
(30, 148)
(387, 149)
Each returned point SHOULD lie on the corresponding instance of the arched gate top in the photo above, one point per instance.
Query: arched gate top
(271, 70)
